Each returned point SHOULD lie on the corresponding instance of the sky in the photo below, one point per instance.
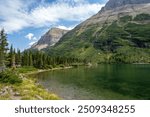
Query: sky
(25, 21)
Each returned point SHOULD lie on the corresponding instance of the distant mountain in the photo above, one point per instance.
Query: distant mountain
(49, 39)
(119, 32)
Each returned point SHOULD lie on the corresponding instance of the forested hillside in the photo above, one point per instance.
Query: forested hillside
(126, 40)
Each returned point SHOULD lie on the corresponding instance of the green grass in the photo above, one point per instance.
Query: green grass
(26, 69)
(29, 91)
(27, 88)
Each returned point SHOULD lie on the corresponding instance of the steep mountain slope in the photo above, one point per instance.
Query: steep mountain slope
(120, 32)
(49, 39)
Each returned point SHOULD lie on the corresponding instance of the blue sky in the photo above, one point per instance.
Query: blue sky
(25, 21)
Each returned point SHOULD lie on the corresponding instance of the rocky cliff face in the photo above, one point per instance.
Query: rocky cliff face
(50, 38)
(115, 9)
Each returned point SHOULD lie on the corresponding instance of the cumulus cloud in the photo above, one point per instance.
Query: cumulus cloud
(29, 36)
(19, 14)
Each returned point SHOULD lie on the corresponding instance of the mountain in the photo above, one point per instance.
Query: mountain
(119, 32)
(117, 8)
(112, 4)
(49, 39)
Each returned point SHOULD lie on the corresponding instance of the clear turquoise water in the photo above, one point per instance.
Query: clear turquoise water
(115, 81)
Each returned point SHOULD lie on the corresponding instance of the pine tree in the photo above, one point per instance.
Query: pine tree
(18, 58)
(3, 49)
(30, 59)
(12, 57)
(24, 59)
(41, 60)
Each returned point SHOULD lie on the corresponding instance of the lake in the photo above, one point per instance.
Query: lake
(104, 81)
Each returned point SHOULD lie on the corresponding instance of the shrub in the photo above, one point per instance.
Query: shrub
(126, 18)
(9, 77)
(61, 65)
(48, 67)
(142, 17)
(87, 46)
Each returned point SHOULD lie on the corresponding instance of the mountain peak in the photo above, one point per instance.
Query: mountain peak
(50, 38)
(56, 32)
(56, 29)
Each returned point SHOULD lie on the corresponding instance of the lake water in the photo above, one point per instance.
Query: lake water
(115, 81)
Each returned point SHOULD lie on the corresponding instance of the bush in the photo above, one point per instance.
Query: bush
(87, 46)
(61, 65)
(47, 67)
(126, 18)
(9, 77)
(142, 17)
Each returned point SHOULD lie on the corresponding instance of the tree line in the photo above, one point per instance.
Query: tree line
(9, 57)
(42, 60)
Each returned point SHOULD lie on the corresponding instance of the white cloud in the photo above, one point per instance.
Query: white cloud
(16, 15)
(29, 36)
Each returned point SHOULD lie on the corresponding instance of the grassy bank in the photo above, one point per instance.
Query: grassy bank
(27, 89)
(44, 70)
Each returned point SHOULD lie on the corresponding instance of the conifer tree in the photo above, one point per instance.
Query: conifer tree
(30, 59)
(12, 57)
(25, 59)
(18, 58)
(3, 49)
